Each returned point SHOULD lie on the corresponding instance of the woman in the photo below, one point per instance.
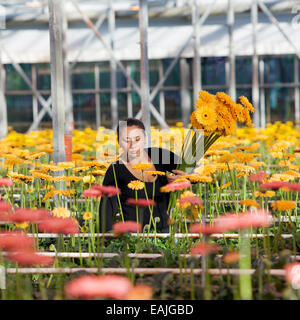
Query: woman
(132, 139)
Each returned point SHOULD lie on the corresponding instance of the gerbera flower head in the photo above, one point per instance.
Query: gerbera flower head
(259, 176)
(6, 182)
(29, 258)
(155, 173)
(244, 220)
(206, 115)
(141, 166)
(87, 215)
(61, 212)
(140, 202)
(204, 228)
(140, 292)
(127, 226)
(273, 185)
(283, 205)
(5, 206)
(204, 249)
(92, 193)
(92, 287)
(250, 203)
(175, 186)
(292, 274)
(15, 241)
(136, 185)
(30, 215)
(58, 225)
(244, 100)
(107, 190)
(232, 257)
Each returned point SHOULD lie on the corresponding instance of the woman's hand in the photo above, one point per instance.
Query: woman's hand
(177, 174)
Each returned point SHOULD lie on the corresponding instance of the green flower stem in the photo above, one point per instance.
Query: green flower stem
(116, 183)
(245, 264)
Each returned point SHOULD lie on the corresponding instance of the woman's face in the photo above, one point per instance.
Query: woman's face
(132, 141)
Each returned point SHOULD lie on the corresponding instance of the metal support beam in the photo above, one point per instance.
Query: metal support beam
(197, 59)
(255, 82)
(184, 91)
(262, 101)
(119, 64)
(159, 85)
(296, 80)
(113, 68)
(69, 116)
(230, 22)
(277, 24)
(144, 66)
(129, 94)
(3, 105)
(34, 99)
(97, 95)
(57, 79)
(88, 40)
(162, 104)
(45, 104)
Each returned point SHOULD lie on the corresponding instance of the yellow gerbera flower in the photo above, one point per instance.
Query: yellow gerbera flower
(61, 212)
(249, 203)
(22, 225)
(141, 166)
(283, 205)
(87, 215)
(226, 185)
(135, 185)
(155, 173)
(206, 115)
(246, 103)
(88, 179)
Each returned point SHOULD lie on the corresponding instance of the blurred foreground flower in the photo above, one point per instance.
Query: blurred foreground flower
(127, 226)
(29, 258)
(92, 287)
(58, 225)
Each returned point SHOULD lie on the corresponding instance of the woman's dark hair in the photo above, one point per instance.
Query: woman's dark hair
(129, 122)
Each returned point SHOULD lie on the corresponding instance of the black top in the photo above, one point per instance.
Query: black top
(163, 160)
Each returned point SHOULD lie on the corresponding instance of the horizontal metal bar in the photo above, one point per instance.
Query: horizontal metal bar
(157, 235)
(273, 272)
(107, 255)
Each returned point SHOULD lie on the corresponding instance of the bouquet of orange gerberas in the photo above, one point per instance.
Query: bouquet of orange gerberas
(214, 116)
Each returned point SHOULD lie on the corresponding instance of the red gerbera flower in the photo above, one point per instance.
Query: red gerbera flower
(107, 190)
(174, 186)
(192, 200)
(15, 241)
(273, 185)
(5, 206)
(204, 248)
(6, 182)
(58, 225)
(205, 229)
(29, 258)
(30, 215)
(127, 226)
(292, 274)
(92, 193)
(259, 176)
(244, 220)
(294, 186)
(91, 287)
(141, 202)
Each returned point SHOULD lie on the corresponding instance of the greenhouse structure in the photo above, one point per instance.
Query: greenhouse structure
(244, 47)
